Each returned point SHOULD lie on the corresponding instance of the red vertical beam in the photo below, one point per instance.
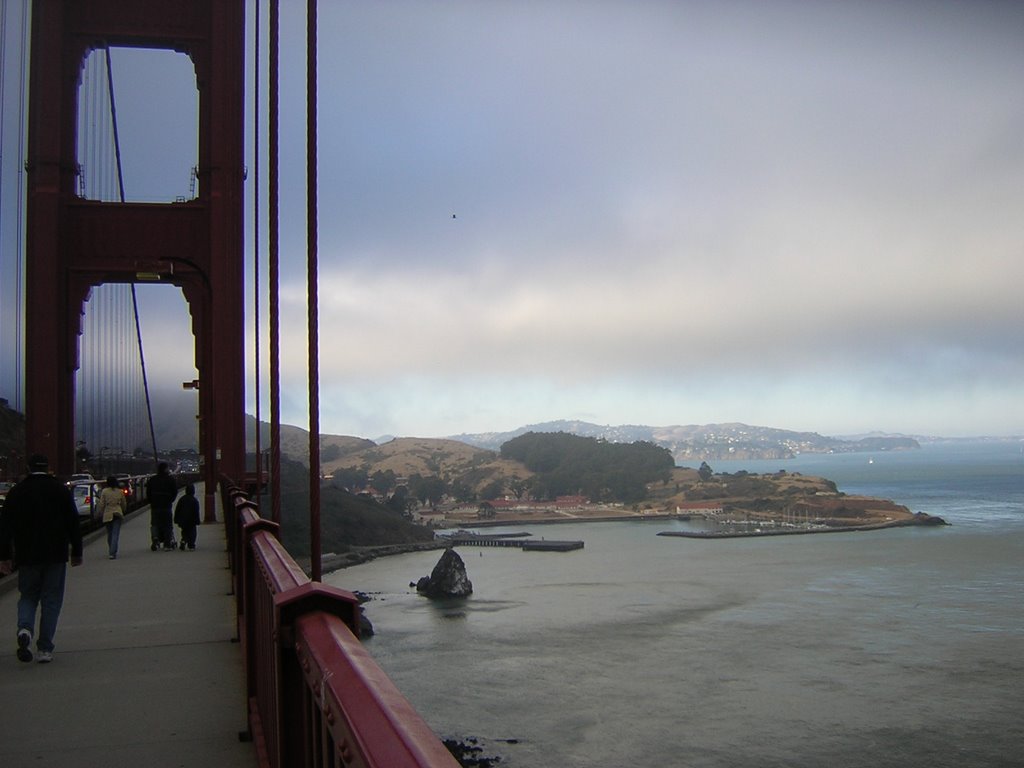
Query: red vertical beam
(312, 268)
(222, 157)
(50, 354)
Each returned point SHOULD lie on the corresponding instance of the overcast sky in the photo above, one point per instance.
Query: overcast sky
(807, 215)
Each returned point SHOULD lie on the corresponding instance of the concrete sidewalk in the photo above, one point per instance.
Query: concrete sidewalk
(145, 670)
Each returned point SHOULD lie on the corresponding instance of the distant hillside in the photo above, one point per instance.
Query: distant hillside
(174, 421)
(295, 442)
(450, 460)
(709, 442)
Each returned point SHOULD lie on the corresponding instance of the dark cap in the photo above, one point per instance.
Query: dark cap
(38, 461)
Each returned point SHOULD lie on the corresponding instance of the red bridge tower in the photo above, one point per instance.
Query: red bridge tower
(74, 244)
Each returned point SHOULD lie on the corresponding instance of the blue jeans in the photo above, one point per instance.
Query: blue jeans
(113, 535)
(43, 586)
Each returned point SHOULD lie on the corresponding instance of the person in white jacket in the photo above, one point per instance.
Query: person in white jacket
(112, 505)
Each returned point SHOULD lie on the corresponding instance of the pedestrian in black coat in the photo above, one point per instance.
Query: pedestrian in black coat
(160, 492)
(186, 517)
(39, 532)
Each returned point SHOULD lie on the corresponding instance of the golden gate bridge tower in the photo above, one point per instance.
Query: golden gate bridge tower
(74, 244)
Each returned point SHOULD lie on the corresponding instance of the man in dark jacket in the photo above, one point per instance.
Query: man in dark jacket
(41, 520)
(160, 492)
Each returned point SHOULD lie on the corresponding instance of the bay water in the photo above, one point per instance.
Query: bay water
(900, 647)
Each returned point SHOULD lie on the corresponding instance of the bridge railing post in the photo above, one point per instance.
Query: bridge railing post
(299, 720)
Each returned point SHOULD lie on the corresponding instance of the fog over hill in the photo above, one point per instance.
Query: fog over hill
(175, 425)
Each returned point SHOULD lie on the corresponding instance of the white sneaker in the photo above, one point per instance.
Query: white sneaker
(24, 641)
(45, 657)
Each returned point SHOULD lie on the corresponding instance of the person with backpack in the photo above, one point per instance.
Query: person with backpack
(40, 520)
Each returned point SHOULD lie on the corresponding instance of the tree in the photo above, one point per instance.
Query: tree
(352, 479)
(493, 490)
(429, 490)
(461, 491)
(330, 452)
(399, 502)
(383, 480)
(518, 486)
(705, 472)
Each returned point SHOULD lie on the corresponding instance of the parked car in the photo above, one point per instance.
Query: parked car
(124, 482)
(85, 495)
(81, 477)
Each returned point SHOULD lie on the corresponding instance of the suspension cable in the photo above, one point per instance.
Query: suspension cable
(113, 122)
(3, 92)
(273, 267)
(19, 313)
(135, 302)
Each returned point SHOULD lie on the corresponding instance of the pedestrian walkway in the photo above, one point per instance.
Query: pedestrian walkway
(145, 671)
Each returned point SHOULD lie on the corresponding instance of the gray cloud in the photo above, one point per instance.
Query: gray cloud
(795, 213)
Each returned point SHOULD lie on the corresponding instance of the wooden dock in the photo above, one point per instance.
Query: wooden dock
(544, 545)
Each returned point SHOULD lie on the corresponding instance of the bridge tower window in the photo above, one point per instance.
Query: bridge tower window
(143, 109)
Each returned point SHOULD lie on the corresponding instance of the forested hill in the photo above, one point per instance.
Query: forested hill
(346, 520)
(565, 464)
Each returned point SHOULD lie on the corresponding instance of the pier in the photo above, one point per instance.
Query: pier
(517, 540)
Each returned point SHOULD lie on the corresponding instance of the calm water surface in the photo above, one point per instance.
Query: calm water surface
(887, 648)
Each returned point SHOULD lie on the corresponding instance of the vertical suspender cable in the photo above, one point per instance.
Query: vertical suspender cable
(3, 98)
(3, 113)
(19, 343)
(145, 382)
(256, 246)
(311, 287)
(273, 267)
(135, 302)
(3, 101)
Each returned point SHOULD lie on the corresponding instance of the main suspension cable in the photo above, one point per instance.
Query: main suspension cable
(135, 302)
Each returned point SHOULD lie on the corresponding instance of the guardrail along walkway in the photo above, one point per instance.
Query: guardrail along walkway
(145, 672)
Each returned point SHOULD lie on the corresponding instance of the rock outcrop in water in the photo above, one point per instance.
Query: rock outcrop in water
(448, 579)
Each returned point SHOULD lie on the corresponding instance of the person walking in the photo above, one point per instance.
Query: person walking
(40, 519)
(186, 517)
(112, 506)
(160, 491)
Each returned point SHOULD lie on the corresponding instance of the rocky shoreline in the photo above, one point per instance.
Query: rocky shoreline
(358, 555)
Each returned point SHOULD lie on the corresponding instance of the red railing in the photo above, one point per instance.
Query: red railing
(316, 697)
